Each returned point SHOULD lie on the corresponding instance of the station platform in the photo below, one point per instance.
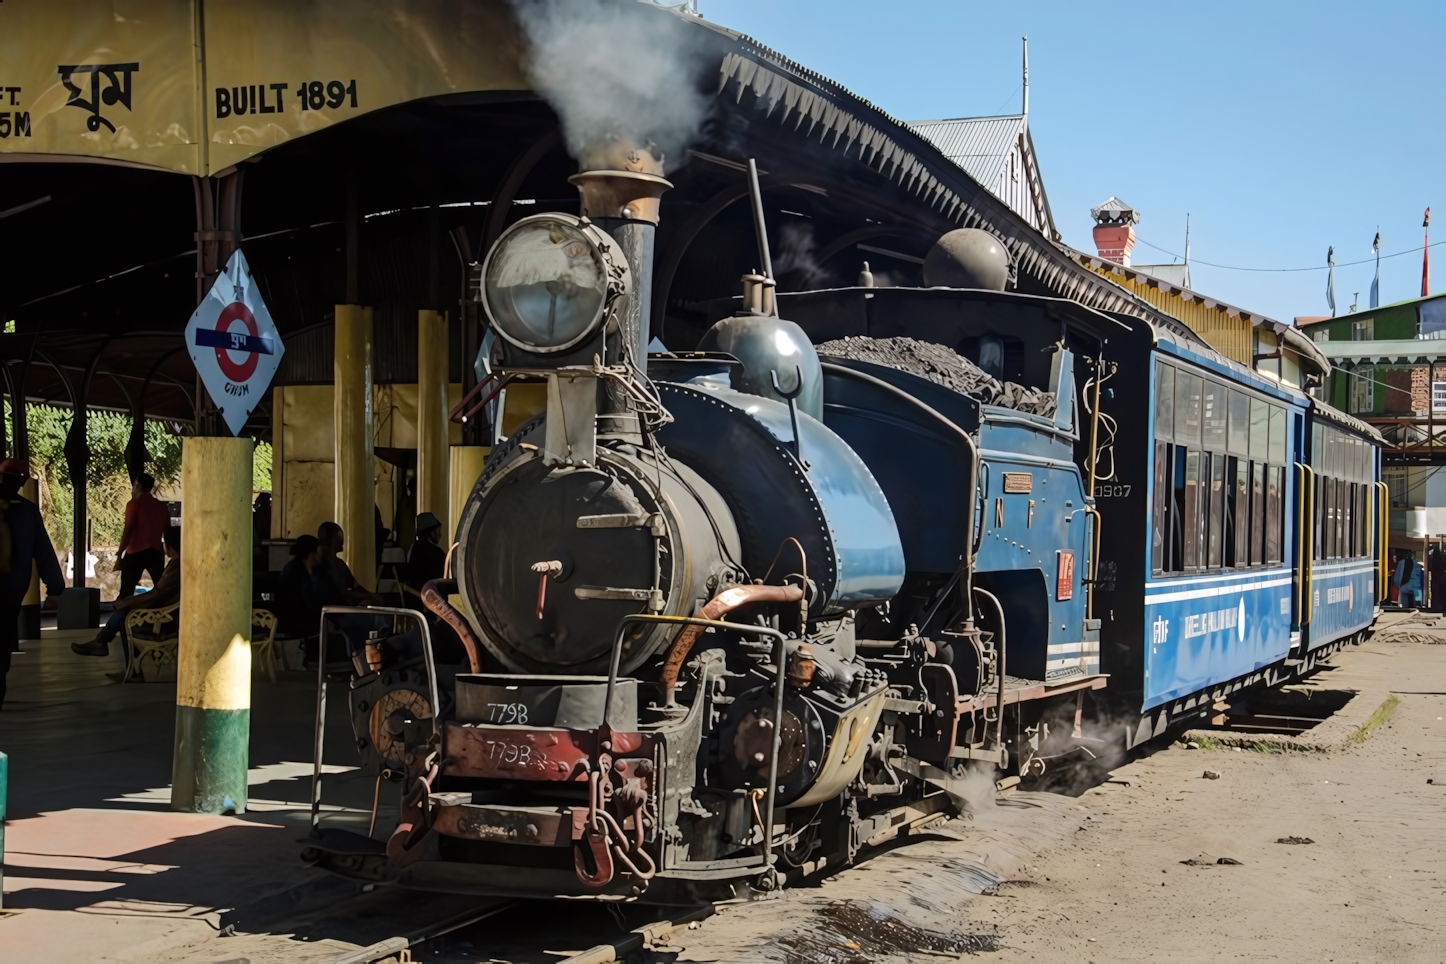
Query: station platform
(99, 868)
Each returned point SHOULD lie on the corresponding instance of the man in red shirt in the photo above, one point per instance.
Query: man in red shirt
(141, 549)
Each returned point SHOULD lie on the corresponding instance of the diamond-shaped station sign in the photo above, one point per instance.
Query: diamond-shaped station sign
(234, 343)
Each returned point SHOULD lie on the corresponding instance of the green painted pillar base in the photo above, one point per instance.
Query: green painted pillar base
(4, 793)
(212, 754)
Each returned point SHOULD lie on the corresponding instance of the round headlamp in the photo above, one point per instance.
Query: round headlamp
(550, 280)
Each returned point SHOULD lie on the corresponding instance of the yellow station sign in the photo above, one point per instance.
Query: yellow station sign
(196, 86)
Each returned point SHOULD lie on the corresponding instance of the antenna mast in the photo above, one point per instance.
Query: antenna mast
(1026, 77)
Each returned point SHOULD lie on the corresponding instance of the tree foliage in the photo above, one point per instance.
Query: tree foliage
(107, 481)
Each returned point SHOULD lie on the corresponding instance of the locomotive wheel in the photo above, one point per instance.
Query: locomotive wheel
(387, 726)
(747, 742)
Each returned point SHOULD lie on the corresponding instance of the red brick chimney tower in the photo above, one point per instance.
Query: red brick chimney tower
(1115, 230)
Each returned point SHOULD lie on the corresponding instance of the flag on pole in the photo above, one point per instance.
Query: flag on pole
(1376, 282)
(1331, 279)
(1426, 255)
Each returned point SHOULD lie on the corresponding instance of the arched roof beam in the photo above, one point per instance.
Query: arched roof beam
(688, 231)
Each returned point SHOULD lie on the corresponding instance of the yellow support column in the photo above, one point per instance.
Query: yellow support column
(213, 666)
(278, 463)
(355, 464)
(432, 456)
(467, 462)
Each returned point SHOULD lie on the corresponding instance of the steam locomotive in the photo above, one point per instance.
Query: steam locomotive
(727, 616)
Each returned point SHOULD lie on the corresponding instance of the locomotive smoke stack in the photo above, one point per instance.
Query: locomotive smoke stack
(620, 180)
(621, 186)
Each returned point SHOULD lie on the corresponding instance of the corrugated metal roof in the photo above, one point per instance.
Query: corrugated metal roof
(979, 145)
(1176, 274)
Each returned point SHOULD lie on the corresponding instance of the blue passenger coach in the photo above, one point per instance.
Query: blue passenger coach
(1341, 517)
(1218, 599)
(1242, 530)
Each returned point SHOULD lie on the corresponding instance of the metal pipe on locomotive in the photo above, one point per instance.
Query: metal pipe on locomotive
(728, 623)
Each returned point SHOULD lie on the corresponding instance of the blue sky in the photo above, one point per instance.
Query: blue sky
(1282, 128)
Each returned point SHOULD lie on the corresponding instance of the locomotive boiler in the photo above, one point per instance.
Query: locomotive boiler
(725, 616)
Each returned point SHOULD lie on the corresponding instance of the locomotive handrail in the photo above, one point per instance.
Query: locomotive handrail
(321, 685)
(978, 512)
(781, 661)
(1092, 543)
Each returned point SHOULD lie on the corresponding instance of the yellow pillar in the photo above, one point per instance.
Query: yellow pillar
(30, 605)
(467, 462)
(355, 464)
(432, 456)
(278, 463)
(213, 666)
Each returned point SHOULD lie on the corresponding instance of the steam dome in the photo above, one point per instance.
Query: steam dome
(967, 258)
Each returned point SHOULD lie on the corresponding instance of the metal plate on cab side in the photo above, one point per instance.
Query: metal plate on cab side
(1019, 482)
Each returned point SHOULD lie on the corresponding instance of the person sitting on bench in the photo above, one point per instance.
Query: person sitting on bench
(298, 603)
(166, 593)
(427, 559)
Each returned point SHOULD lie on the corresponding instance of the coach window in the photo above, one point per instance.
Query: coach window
(1214, 421)
(1328, 494)
(1237, 550)
(1160, 516)
(1363, 511)
(1348, 495)
(1259, 451)
(1190, 500)
(1337, 464)
(1343, 505)
(1317, 464)
(1275, 484)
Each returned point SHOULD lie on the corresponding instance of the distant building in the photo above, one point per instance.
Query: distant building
(1390, 370)
(1271, 347)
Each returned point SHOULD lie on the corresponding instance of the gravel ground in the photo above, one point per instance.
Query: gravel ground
(1129, 870)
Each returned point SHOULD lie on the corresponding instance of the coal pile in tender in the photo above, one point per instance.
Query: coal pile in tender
(942, 366)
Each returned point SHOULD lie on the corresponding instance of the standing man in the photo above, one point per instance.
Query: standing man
(1408, 580)
(29, 543)
(141, 550)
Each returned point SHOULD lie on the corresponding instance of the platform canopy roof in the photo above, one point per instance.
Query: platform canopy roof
(384, 184)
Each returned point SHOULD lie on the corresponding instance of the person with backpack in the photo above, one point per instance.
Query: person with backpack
(24, 547)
